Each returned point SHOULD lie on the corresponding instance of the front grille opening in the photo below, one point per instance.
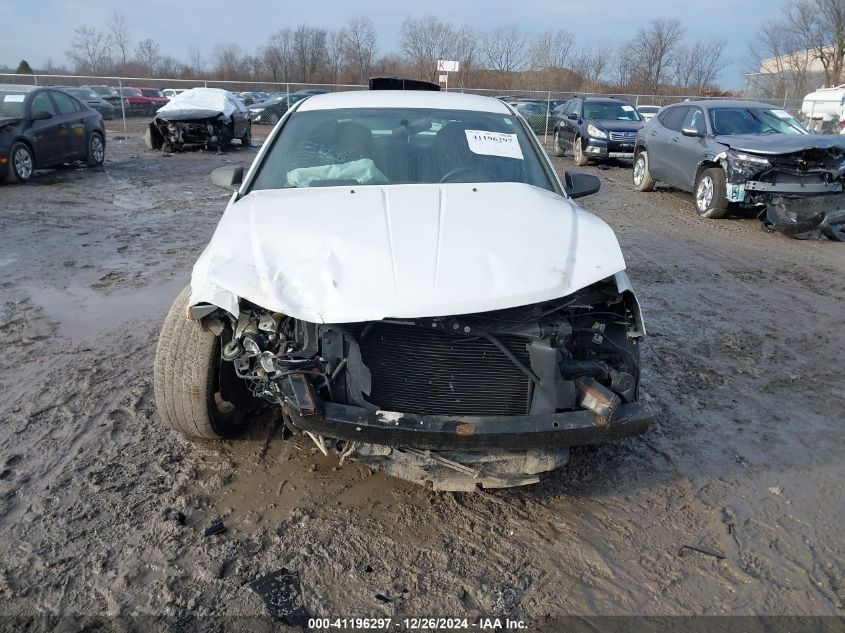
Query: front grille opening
(416, 370)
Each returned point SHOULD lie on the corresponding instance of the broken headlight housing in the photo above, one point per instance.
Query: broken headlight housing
(750, 160)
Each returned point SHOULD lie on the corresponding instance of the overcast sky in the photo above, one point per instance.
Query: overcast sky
(42, 30)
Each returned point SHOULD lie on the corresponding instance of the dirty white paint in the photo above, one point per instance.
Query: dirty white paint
(389, 416)
(328, 255)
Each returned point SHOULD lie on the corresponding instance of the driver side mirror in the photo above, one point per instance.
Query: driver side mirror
(228, 177)
(691, 131)
(573, 116)
(41, 115)
(578, 184)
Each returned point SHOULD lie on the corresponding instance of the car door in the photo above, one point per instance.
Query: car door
(46, 135)
(685, 152)
(571, 122)
(658, 139)
(72, 114)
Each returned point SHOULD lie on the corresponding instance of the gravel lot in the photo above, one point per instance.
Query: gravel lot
(743, 368)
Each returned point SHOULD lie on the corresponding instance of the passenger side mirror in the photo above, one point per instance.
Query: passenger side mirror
(578, 184)
(41, 115)
(228, 177)
(691, 131)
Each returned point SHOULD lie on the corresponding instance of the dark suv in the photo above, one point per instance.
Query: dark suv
(596, 128)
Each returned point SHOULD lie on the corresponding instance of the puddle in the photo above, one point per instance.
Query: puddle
(81, 311)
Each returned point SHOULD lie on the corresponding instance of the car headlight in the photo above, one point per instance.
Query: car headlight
(749, 159)
(256, 110)
(593, 131)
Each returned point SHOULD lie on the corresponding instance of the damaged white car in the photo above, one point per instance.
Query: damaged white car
(207, 118)
(404, 278)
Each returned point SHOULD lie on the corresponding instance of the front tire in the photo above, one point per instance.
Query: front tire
(187, 378)
(556, 148)
(710, 193)
(578, 153)
(641, 175)
(246, 139)
(21, 163)
(96, 150)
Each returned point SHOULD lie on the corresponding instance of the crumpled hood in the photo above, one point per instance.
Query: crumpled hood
(771, 144)
(342, 254)
(4, 121)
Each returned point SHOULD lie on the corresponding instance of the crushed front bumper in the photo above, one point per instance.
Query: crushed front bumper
(806, 216)
(460, 432)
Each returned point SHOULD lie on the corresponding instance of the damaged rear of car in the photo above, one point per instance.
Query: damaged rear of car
(747, 154)
(206, 118)
(409, 321)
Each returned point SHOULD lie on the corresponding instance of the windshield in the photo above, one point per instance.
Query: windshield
(104, 91)
(130, 92)
(84, 94)
(610, 112)
(11, 102)
(399, 146)
(754, 121)
(152, 93)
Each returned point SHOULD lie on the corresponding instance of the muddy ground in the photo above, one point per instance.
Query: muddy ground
(102, 511)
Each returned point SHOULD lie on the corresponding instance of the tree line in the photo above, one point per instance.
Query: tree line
(800, 50)
(657, 59)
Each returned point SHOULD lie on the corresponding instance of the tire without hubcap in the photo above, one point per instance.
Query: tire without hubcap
(21, 163)
(96, 150)
(710, 193)
(578, 153)
(188, 373)
(556, 148)
(642, 177)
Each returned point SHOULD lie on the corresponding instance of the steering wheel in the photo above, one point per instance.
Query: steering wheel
(463, 169)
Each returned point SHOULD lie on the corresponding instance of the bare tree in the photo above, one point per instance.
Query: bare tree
(551, 49)
(229, 62)
(652, 52)
(90, 50)
(278, 55)
(335, 53)
(698, 66)
(820, 27)
(119, 32)
(148, 54)
(309, 51)
(424, 41)
(504, 49)
(360, 45)
(591, 63)
(169, 67)
(195, 61)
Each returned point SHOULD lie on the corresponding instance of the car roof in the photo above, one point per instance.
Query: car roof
(726, 103)
(601, 99)
(18, 87)
(425, 99)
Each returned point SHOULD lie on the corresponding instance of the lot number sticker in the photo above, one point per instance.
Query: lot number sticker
(14, 98)
(494, 144)
(782, 114)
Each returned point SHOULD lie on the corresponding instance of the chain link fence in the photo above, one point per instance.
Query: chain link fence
(131, 102)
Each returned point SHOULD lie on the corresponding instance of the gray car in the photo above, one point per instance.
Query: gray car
(752, 154)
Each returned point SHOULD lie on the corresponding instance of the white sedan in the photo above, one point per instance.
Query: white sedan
(403, 276)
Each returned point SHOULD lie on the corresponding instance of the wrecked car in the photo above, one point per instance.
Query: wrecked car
(748, 154)
(443, 310)
(207, 118)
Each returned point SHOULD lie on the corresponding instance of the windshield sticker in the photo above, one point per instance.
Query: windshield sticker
(782, 114)
(494, 144)
(628, 108)
(14, 98)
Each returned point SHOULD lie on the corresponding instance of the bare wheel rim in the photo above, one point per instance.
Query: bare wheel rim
(97, 150)
(704, 193)
(639, 170)
(23, 162)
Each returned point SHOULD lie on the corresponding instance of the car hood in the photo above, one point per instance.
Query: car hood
(4, 121)
(338, 254)
(780, 143)
(618, 126)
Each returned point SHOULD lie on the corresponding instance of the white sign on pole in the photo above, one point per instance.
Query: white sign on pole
(444, 78)
(448, 66)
